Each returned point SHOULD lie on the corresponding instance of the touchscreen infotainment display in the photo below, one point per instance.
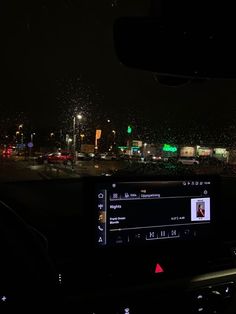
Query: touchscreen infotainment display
(130, 213)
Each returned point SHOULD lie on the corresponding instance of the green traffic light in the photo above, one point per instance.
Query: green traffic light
(129, 129)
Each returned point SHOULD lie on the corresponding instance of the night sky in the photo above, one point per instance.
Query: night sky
(46, 45)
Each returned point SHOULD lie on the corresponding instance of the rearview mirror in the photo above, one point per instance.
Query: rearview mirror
(202, 50)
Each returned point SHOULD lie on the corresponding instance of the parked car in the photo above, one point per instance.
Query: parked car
(188, 161)
(85, 156)
(65, 158)
(152, 158)
(7, 152)
(124, 157)
(91, 155)
(82, 156)
(108, 156)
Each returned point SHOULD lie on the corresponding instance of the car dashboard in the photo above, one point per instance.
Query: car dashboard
(135, 245)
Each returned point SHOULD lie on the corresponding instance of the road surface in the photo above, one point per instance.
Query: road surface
(20, 170)
(16, 171)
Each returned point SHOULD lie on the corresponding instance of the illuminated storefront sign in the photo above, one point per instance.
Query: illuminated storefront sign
(187, 151)
(169, 148)
(204, 151)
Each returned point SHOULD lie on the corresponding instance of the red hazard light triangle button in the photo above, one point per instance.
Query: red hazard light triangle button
(158, 269)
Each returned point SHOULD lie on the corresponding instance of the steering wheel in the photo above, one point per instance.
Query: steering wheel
(27, 275)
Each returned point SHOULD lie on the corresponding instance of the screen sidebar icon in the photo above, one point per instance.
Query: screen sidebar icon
(101, 217)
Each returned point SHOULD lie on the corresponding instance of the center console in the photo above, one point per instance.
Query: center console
(157, 246)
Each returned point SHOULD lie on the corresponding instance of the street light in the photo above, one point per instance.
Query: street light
(32, 137)
(20, 129)
(68, 140)
(82, 137)
(114, 138)
(79, 117)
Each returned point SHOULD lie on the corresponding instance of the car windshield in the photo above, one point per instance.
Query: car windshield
(70, 108)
